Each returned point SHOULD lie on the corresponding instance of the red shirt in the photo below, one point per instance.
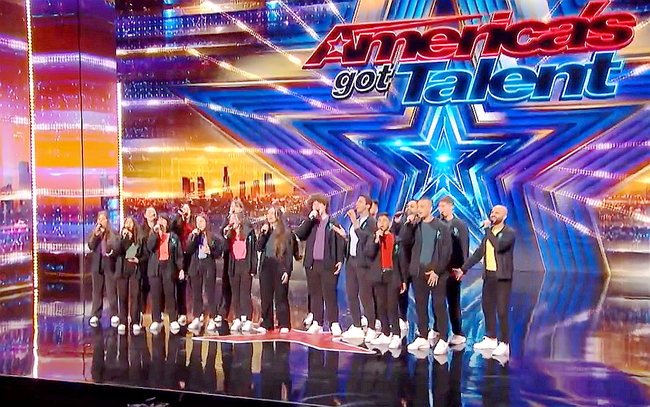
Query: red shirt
(386, 245)
(239, 248)
(163, 247)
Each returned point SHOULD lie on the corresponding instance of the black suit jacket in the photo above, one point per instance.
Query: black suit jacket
(334, 243)
(175, 263)
(287, 257)
(99, 263)
(192, 249)
(404, 236)
(365, 232)
(460, 242)
(372, 252)
(504, 244)
(441, 252)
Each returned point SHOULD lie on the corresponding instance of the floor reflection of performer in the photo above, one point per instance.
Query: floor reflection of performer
(140, 360)
(276, 378)
(322, 372)
(496, 384)
(241, 373)
(446, 381)
(97, 363)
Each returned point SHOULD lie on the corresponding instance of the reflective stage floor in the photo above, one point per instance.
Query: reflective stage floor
(577, 341)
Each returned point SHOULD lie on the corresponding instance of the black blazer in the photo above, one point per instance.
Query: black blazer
(404, 235)
(192, 249)
(125, 243)
(373, 254)
(460, 242)
(175, 263)
(334, 243)
(287, 257)
(441, 252)
(251, 249)
(504, 244)
(365, 232)
(99, 263)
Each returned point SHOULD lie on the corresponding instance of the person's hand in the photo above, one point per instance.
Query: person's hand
(313, 214)
(340, 231)
(402, 288)
(196, 232)
(458, 274)
(98, 230)
(337, 268)
(181, 275)
(432, 278)
(156, 228)
(398, 217)
(353, 217)
(285, 278)
(265, 228)
(411, 218)
(486, 223)
(185, 211)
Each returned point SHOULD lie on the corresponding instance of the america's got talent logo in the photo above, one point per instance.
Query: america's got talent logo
(423, 57)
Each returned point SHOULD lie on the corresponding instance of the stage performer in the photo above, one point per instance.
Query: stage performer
(460, 248)
(236, 207)
(276, 247)
(127, 273)
(496, 250)
(388, 282)
(103, 246)
(164, 268)
(403, 228)
(150, 219)
(323, 260)
(430, 258)
(182, 227)
(204, 249)
(362, 229)
(242, 266)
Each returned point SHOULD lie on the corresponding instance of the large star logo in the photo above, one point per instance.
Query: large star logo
(336, 45)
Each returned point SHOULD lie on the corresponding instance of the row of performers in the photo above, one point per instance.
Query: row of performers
(384, 256)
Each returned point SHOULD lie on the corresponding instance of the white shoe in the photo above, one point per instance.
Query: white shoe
(419, 353)
(486, 343)
(248, 326)
(175, 327)
(155, 328)
(382, 340)
(309, 319)
(115, 321)
(418, 344)
(336, 329)
(212, 326)
(121, 329)
(201, 318)
(195, 325)
(364, 322)
(261, 330)
(433, 335)
(370, 335)
(286, 330)
(457, 340)
(136, 329)
(236, 325)
(353, 332)
(94, 321)
(441, 348)
(503, 360)
(182, 320)
(315, 328)
(403, 325)
(502, 350)
(218, 320)
(395, 343)
(377, 325)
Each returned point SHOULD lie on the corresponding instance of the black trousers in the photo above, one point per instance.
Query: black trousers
(145, 287)
(322, 286)
(272, 289)
(181, 287)
(496, 297)
(241, 290)
(386, 295)
(163, 291)
(128, 293)
(439, 293)
(204, 280)
(453, 301)
(358, 287)
(226, 291)
(404, 301)
(104, 282)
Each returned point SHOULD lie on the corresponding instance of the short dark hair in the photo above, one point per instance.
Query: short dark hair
(375, 202)
(319, 198)
(383, 214)
(446, 199)
(366, 198)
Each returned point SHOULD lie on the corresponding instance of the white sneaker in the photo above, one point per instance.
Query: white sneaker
(353, 332)
(248, 326)
(94, 321)
(195, 325)
(382, 340)
(441, 348)
(336, 329)
(457, 340)
(502, 350)
(261, 330)
(286, 330)
(395, 343)
(486, 343)
(370, 335)
(403, 325)
(155, 328)
(201, 318)
(236, 325)
(182, 320)
(309, 319)
(212, 326)
(218, 320)
(175, 327)
(418, 344)
(364, 322)
(315, 328)
(433, 335)
(115, 321)
(377, 325)
(121, 329)
(136, 329)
